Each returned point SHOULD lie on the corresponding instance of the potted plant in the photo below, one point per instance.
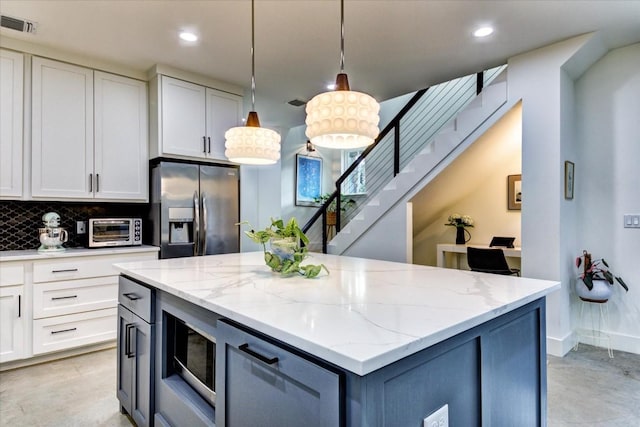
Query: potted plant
(460, 222)
(345, 203)
(596, 279)
(286, 253)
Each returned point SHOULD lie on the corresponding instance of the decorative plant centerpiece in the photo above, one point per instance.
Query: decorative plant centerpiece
(460, 222)
(596, 279)
(286, 254)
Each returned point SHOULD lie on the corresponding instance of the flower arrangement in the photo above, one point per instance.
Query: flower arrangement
(596, 270)
(286, 254)
(459, 221)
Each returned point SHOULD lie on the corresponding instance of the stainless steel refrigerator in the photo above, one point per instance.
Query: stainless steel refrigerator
(194, 209)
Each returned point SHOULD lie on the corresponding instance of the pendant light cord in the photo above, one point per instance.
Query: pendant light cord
(341, 36)
(253, 61)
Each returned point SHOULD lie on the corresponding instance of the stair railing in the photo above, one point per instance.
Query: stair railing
(398, 161)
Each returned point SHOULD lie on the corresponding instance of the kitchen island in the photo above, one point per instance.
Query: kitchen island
(398, 341)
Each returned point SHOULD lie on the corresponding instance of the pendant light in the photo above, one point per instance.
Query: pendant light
(342, 119)
(251, 144)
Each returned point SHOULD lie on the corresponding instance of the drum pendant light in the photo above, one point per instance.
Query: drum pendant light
(251, 144)
(342, 119)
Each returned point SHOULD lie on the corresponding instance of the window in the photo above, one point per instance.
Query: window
(356, 181)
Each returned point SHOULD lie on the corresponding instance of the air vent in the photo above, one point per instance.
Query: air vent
(17, 24)
(297, 102)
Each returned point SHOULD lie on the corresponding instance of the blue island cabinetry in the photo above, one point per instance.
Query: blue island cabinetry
(272, 355)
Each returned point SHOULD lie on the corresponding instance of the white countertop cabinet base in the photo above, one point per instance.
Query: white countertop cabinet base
(12, 323)
(53, 306)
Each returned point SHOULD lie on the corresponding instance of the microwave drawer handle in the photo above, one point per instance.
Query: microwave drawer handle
(132, 296)
(269, 361)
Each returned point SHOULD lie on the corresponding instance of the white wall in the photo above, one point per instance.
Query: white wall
(607, 155)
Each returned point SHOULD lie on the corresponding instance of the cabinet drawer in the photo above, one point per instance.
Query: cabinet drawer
(250, 369)
(80, 268)
(74, 330)
(137, 298)
(11, 274)
(76, 296)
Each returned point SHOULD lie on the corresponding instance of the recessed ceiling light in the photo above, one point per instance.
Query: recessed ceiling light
(331, 86)
(483, 32)
(188, 37)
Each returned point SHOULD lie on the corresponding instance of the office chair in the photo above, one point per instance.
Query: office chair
(489, 261)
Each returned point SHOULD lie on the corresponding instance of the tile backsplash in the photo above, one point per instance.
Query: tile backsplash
(19, 221)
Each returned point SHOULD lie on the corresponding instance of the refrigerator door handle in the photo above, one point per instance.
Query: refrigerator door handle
(204, 223)
(196, 223)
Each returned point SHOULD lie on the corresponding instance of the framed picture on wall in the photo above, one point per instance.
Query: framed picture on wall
(308, 179)
(569, 170)
(514, 192)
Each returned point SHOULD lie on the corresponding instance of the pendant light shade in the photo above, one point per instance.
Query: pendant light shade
(250, 144)
(342, 119)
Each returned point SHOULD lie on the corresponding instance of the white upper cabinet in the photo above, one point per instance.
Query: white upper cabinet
(11, 85)
(67, 162)
(190, 120)
(62, 130)
(121, 138)
(183, 118)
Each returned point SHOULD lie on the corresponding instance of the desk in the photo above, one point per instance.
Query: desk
(443, 248)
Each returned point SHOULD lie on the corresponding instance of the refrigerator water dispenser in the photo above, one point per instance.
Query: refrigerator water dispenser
(180, 225)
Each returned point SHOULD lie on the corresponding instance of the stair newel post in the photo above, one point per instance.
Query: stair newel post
(396, 149)
(338, 219)
(324, 229)
(479, 82)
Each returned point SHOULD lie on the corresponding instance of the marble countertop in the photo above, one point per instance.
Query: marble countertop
(33, 254)
(364, 315)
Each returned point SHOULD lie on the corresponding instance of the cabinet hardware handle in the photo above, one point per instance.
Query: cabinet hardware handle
(204, 144)
(67, 297)
(63, 330)
(97, 183)
(127, 340)
(90, 183)
(19, 305)
(265, 359)
(209, 140)
(132, 296)
(68, 270)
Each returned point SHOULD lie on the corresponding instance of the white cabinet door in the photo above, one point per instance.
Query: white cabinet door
(11, 81)
(224, 111)
(121, 141)
(62, 130)
(183, 118)
(11, 323)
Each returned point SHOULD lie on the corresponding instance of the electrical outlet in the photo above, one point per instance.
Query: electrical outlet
(440, 418)
(81, 227)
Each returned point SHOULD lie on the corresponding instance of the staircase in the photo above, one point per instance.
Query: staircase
(433, 133)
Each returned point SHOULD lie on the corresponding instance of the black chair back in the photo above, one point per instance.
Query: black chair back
(489, 261)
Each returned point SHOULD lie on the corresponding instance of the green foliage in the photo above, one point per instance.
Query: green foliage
(345, 202)
(596, 270)
(288, 236)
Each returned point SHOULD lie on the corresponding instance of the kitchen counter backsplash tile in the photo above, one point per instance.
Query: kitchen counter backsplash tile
(20, 220)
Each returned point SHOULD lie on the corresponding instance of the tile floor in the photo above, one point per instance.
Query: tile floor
(585, 388)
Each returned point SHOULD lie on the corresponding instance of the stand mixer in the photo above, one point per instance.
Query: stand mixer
(52, 236)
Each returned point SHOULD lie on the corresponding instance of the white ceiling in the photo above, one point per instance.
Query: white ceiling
(392, 47)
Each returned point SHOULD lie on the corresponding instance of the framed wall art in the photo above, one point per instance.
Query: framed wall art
(514, 192)
(569, 178)
(308, 179)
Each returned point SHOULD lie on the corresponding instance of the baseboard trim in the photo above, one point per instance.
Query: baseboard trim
(15, 364)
